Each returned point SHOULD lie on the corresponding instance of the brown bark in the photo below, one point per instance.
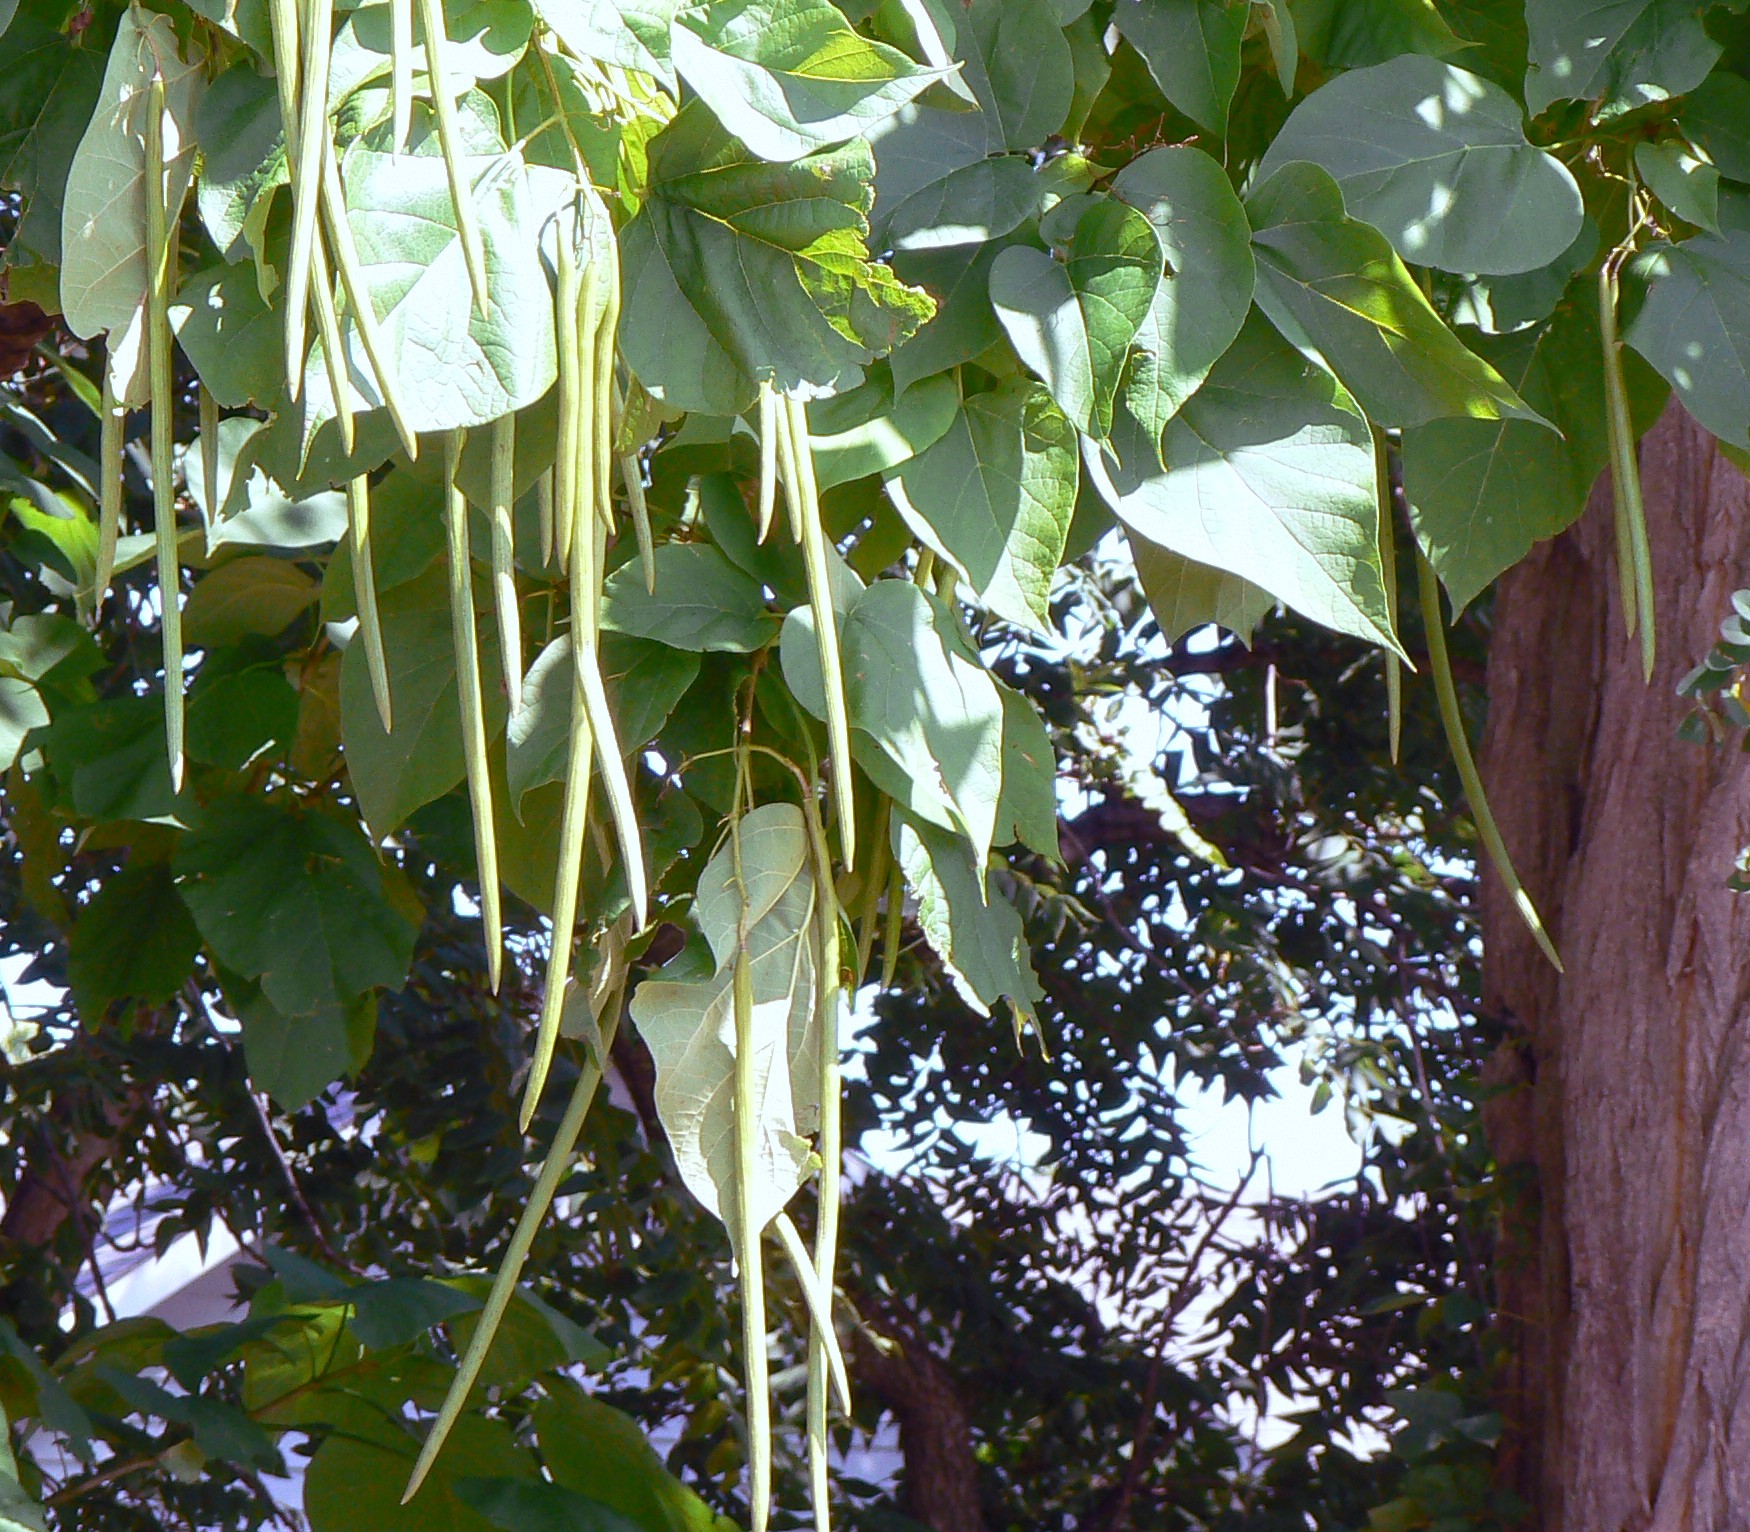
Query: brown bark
(1624, 1111)
(940, 1480)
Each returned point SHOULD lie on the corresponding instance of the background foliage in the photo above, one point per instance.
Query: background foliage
(1104, 324)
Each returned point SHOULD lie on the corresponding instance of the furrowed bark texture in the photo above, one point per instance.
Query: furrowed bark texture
(1623, 1118)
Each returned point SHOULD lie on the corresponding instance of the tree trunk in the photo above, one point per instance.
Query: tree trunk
(1626, 1255)
(940, 1481)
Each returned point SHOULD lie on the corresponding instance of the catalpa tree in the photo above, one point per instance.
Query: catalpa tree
(643, 426)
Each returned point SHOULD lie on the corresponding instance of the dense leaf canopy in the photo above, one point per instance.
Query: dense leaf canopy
(653, 510)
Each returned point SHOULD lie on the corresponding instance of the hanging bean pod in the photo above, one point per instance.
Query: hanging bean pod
(1471, 779)
(111, 428)
(160, 225)
(443, 102)
(826, 629)
(503, 497)
(364, 588)
(467, 647)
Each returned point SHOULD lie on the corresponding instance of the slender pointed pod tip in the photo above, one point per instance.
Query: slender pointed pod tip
(364, 586)
(1634, 561)
(1528, 912)
(768, 426)
(1452, 720)
(553, 1170)
(573, 825)
(818, 1300)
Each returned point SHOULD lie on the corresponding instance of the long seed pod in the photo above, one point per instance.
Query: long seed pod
(632, 476)
(573, 826)
(606, 335)
(875, 884)
(473, 709)
(209, 429)
(1388, 568)
(364, 589)
(893, 926)
(400, 73)
(788, 480)
(583, 443)
(358, 296)
(302, 268)
(614, 779)
(333, 350)
(159, 221)
(1625, 556)
(503, 496)
(544, 512)
(747, 1242)
(443, 101)
(1633, 554)
(586, 576)
(1458, 742)
(574, 823)
(553, 1171)
(769, 431)
(822, 1339)
(283, 24)
(112, 429)
(570, 386)
(819, 1300)
(826, 626)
